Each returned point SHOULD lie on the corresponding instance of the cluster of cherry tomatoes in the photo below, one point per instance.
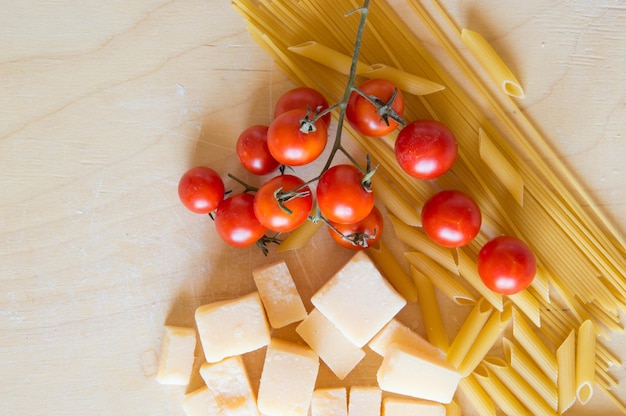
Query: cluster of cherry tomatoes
(343, 197)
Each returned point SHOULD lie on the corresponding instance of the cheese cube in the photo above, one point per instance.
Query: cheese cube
(339, 354)
(232, 327)
(287, 379)
(279, 294)
(396, 332)
(364, 401)
(410, 372)
(228, 381)
(329, 402)
(200, 402)
(177, 355)
(396, 406)
(358, 300)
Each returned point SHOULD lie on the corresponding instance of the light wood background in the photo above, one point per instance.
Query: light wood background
(103, 105)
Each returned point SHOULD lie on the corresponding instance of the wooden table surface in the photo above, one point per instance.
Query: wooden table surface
(104, 105)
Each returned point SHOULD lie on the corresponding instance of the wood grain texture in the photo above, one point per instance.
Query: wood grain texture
(104, 106)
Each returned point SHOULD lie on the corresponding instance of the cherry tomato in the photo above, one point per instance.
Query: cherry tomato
(341, 195)
(425, 149)
(302, 97)
(451, 218)
(236, 223)
(364, 117)
(253, 152)
(359, 235)
(506, 265)
(201, 189)
(296, 209)
(291, 146)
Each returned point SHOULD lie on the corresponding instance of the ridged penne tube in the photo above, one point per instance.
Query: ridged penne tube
(403, 80)
(492, 63)
(299, 237)
(431, 313)
(328, 57)
(453, 409)
(469, 331)
(528, 304)
(394, 202)
(441, 278)
(524, 391)
(467, 269)
(487, 337)
(585, 361)
(477, 396)
(534, 346)
(528, 370)
(566, 360)
(501, 166)
(500, 394)
(393, 271)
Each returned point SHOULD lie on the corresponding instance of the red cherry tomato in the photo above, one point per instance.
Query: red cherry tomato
(289, 145)
(451, 218)
(302, 97)
(364, 117)
(359, 235)
(425, 149)
(201, 189)
(506, 265)
(341, 195)
(236, 223)
(253, 152)
(270, 213)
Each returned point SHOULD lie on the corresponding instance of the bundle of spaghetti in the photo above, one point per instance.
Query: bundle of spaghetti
(581, 255)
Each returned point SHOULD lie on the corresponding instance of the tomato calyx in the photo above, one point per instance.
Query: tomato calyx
(307, 124)
(265, 240)
(384, 109)
(283, 197)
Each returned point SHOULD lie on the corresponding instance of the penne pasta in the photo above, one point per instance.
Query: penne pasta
(528, 304)
(431, 313)
(394, 202)
(534, 346)
(469, 331)
(441, 278)
(492, 63)
(566, 360)
(500, 394)
(403, 80)
(501, 166)
(328, 57)
(299, 237)
(585, 361)
(453, 409)
(393, 271)
(477, 396)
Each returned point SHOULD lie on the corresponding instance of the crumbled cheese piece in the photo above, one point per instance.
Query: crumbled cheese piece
(228, 381)
(397, 406)
(358, 300)
(364, 401)
(200, 402)
(279, 294)
(232, 327)
(329, 402)
(177, 355)
(287, 379)
(339, 354)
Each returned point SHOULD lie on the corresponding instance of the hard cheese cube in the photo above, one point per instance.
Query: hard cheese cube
(364, 401)
(177, 355)
(329, 402)
(232, 327)
(396, 406)
(339, 354)
(279, 294)
(358, 300)
(396, 332)
(200, 402)
(412, 372)
(228, 381)
(288, 379)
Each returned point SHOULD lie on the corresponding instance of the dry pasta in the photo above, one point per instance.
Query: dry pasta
(501, 395)
(431, 313)
(469, 331)
(566, 360)
(477, 396)
(393, 271)
(535, 347)
(585, 361)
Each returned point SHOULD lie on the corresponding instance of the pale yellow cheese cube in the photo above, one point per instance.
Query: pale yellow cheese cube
(232, 327)
(279, 294)
(177, 355)
(396, 332)
(409, 372)
(358, 300)
(287, 379)
(200, 402)
(229, 382)
(364, 401)
(339, 354)
(398, 406)
(329, 402)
